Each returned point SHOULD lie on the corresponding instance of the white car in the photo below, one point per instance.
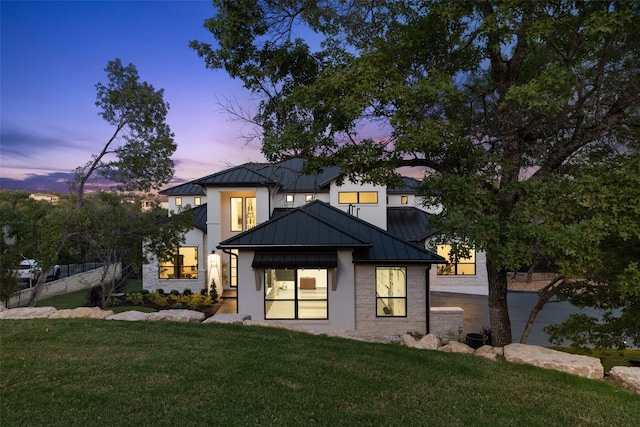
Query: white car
(29, 271)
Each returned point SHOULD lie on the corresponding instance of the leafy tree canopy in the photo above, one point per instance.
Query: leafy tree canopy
(137, 112)
(506, 104)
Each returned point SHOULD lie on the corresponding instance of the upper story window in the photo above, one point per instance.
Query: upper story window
(178, 201)
(197, 201)
(456, 265)
(404, 200)
(308, 197)
(182, 264)
(289, 198)
(243, 213)
(363, 197)
(391, 292)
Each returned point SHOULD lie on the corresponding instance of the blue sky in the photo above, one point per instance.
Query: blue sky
(54, 52)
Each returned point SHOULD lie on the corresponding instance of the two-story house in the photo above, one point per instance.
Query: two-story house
(300, 248)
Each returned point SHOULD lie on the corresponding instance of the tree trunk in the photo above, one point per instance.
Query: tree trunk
(37, 289)
(498, 308)
(543, 297)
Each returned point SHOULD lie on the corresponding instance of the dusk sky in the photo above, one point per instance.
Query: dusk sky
(54, 52)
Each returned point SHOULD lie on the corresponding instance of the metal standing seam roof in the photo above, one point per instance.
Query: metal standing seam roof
(287, 175)
(199, 218)
(319, 225)
(409, 223)
(186, 189)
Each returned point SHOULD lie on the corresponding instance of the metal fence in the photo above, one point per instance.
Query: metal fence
(67, 270)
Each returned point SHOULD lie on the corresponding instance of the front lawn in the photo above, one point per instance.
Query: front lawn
(104, 373)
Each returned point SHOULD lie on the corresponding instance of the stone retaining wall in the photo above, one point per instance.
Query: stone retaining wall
(66, 285)
(446, 322)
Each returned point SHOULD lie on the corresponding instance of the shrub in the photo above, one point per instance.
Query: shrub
(204, 292)
(175, 292)
(94, 297)
(135, 299)
(160, 291)
(194, 301)
(158, 299)
(187, 292)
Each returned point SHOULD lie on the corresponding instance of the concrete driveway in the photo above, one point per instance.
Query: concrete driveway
(476, 313)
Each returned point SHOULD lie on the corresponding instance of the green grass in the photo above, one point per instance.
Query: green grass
(83, 372)
(79, 298)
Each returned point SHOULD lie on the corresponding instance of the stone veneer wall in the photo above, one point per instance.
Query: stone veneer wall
(446, 322)
(65, 285)
(365, 312)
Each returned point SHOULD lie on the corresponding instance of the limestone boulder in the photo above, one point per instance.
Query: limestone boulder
(130, 315)
(427, 342)
(229, 318)
(82, 313)
(456, 347)
(584, 366)
(626, 377)
(489, 352)
(176, 315)
(28, 313)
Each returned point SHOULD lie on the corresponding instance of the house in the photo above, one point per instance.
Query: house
(302, 248)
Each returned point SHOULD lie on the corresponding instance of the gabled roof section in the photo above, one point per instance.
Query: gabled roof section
(248, 174)
(199, 218)
(409, 186)
(297, 228)
(187, 189)
(319, 225)
(286, 174)
(409, 223)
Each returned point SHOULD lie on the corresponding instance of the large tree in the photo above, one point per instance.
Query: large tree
(495, 99)
(137, 155)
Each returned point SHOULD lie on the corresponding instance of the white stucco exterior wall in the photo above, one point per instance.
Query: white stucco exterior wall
(375, 214)
(477, 284)
(341, 301)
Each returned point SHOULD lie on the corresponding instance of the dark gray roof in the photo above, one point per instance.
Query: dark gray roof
(409, 223)
(286, 174)
(294, 228)
(409, 186)
(199, 218)
(319, 225)
(186, 189)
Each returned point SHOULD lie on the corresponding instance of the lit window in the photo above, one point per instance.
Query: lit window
(197, 201)
(364, 197)
(308, 198)
(243, 213)
(404, 200)
(456, 266)
(391, 292)
(178, 201)
(295, 294)
(237, 220)
(348, 197)
(182, 264)
(250, 207)
(289, 198)
(233, 268)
